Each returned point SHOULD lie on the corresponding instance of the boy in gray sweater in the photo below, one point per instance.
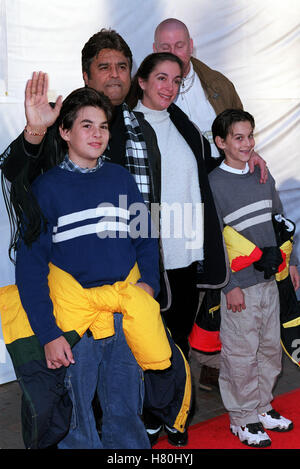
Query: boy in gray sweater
(250, 321)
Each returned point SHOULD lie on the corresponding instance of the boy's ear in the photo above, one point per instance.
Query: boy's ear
(220, 142)
(64, 133)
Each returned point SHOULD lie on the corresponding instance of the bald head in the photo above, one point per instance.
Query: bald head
(170, 24)
(172, 35)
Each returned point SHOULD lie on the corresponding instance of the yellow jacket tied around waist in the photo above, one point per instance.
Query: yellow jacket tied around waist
(77, 308)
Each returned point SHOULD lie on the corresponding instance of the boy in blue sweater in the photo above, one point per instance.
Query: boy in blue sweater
(250, 316)
(86, 233)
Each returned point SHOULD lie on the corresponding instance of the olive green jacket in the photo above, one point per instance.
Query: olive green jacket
(219, 90)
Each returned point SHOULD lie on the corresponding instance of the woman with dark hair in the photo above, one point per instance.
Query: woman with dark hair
(146, 68)
(191, 236)
(192, 248)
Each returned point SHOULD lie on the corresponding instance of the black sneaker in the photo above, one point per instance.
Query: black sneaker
(153, 435)
(177, 438)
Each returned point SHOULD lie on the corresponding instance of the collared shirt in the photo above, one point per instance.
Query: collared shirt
(225, 167)
(71, 166)
(192, 100)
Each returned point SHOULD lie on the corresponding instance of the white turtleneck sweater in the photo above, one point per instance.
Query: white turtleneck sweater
(181, 207)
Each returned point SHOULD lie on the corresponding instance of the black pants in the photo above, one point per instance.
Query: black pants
(180, 317)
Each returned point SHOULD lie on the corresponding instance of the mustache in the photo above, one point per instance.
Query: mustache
(113, 81)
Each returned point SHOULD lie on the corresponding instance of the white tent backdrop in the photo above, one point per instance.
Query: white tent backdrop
(255, 44)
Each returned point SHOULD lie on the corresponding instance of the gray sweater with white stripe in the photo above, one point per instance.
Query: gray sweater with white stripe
(246, 205)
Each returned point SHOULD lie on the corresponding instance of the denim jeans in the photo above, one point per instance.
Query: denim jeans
(108, 367)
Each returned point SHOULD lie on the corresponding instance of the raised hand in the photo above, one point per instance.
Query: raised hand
(39, 113)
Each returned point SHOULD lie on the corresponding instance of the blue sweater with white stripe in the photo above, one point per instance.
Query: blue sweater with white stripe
(98, 227)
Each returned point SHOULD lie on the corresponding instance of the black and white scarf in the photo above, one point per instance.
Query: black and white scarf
(136, 154)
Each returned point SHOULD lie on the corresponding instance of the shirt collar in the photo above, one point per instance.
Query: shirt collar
(229, 169)
(188, 81)
(71, 166)
(189, 76)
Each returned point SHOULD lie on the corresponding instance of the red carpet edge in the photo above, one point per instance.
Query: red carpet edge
(215, 433)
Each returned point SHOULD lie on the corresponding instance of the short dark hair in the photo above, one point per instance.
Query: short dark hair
(147, 66)
(78, 99)
(222, 124)
(26, 218)
(104, 39)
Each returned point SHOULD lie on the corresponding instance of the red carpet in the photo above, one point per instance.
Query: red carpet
(215, 433)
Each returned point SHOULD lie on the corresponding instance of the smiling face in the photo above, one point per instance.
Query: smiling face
(88, 136)
(238, 145)
(110, 73)
(161, 87)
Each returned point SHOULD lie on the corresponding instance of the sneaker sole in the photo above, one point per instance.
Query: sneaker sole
(280, 429)
(261, 444)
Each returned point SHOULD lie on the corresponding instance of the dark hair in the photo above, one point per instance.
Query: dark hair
(222, 124)
(78, 99)
(104, 39)
(25, 216)
(147, 66)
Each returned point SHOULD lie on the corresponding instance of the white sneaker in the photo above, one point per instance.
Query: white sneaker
(272, 420)
(252, 434)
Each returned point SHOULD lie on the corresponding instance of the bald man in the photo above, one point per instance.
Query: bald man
(204, 93)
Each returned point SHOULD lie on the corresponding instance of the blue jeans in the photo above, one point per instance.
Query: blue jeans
(108, 367)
